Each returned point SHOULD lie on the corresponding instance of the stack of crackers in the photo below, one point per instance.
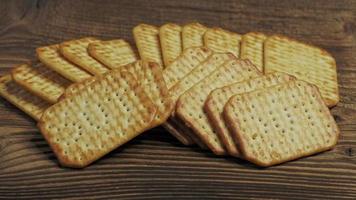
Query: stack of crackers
(263, 98)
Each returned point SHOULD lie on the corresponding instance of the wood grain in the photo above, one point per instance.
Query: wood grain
(155, 165)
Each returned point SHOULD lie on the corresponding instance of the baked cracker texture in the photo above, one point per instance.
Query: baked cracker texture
(281, 123)
(214, 105)
(108, 113)
(252, 48)
(193, 35)
(170, 36)
(306, 62)
(190, 106)
(222, 41)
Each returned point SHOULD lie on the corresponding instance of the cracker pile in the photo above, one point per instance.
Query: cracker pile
(262, 98)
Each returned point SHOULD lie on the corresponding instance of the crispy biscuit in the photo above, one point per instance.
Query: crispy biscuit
(21, 98)
(198, 73)
(214, 105)
(192, 35)
(190, 106)
(51, 57)
(112, 53)
(281, 123)
(305, 62)
(108, 113)
(222, 41)
(188, 60)
(76, 51)
(41, 81)
(252, 48)
(147, 42)
(75, 87)
(171, 42)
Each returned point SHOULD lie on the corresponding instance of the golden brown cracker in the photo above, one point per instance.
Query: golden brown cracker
(281, 123)
(170, 36)
(252, 48)
(222, 41)
(192, 35)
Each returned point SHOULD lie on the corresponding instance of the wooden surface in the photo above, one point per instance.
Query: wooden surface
(155, 165)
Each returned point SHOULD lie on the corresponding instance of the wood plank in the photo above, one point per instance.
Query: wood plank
(155, 165)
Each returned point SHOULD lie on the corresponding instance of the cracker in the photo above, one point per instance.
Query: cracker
(214, 104)
(281, 123)
(222, 41)
(21, 98)
(51, 57)
(147, 42)
(192, 35)
(108, 113)
(112, 53)
(188, 60)
(252, 48)
(41, 81)
(201, 71)
(306, 62)
(190, 105)
(75, 87)
(171, 42)
(76, 51)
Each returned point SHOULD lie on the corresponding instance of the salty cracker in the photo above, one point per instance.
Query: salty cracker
(252, 48)
(51, 57)
(174, 130)
(192, 35)
(214, 104)
(171, 42)
(190, 106)
(21, 98)
(75, 87)
(198, 73)
(147, 42)
(281, 123)
(112, 53)
(41, 81)
(222, 41)
(108, 113)
(305, 62)
(76, 51)
(188, 60)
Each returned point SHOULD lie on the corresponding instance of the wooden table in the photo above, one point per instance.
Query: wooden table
(155, 165)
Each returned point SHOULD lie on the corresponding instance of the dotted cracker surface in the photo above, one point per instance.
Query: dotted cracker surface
(198, 73)
(192, 35)
(21, 98)
(51, 57)
(281, 123)
(75, 87)
(252, 48)
(76, 51)
(171, 42)
(147, 42)
(108, 113)
(188, 60)
(112, 53)
(214, 105)
(190, 106)
(222, 41)
(41, 81)
(305, 62)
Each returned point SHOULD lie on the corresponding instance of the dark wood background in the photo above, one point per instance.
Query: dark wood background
(155, 165)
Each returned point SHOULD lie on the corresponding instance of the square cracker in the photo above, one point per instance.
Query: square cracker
(252, 48)
(108, 113)
(149, 76)
(222, 41)
(40, 80)
(190, 106)
(192, 35)
(21, 98)
(147, 42)
(51, 57)
(281, 123)
(306, 62)
(112, 53)
(199, 72)
(76, 51)
(170, 36)
(214, 104)
(188, 60)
